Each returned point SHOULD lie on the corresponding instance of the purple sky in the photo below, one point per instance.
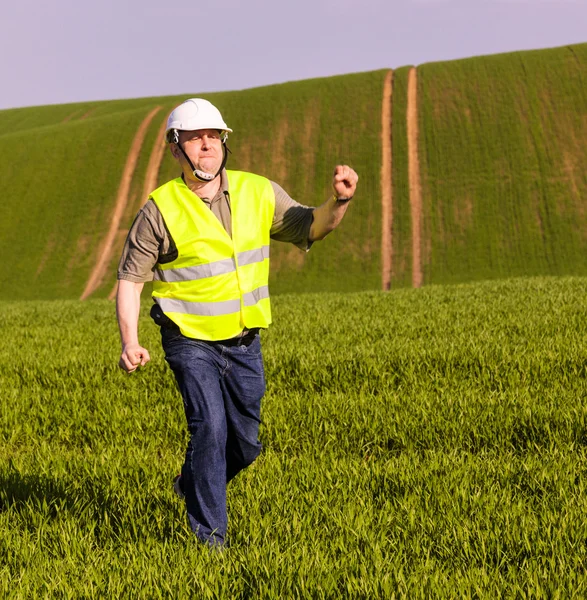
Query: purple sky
(69, 51)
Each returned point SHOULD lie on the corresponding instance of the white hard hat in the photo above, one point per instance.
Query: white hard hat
(196, 113)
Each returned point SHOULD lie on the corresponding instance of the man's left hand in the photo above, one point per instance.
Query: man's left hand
(344, 181)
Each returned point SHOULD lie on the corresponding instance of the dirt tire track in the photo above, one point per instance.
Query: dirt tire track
(87, 114)
(414, 178)
(150, 183)
(71, 116)
(386, 184)
(107, 245)
(154, 162)
(74, 114)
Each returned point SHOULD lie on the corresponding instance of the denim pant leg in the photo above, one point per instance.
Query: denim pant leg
(243, 385)
(198, 369)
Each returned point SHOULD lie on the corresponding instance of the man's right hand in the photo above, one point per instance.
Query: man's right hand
(133, 356)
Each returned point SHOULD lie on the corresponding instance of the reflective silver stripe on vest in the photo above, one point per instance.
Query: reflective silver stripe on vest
(212, 309)
(249, 257)
(202, 309)
(219, 267)
(251, 298)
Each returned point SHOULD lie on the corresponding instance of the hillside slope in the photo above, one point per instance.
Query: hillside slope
(501, 153)
(63, 165)
(503, 150)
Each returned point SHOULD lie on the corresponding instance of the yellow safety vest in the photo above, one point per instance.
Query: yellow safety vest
(217, 285)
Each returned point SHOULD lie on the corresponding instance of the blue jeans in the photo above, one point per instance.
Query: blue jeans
(222, 386)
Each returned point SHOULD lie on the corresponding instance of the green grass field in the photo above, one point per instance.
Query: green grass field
(419, 444)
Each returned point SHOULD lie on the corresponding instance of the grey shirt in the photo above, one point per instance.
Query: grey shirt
(149, 242)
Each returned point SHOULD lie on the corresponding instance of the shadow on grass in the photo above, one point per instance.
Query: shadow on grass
(19, 489)
(93, 503)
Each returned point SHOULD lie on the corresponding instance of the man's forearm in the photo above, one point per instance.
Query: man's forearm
(128, 304)
(327, 217)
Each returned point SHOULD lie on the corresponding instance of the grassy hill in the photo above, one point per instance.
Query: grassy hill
(62, 167)
(503, 155)
(501, 149)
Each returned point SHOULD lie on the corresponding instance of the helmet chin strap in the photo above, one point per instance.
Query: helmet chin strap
(202, 175)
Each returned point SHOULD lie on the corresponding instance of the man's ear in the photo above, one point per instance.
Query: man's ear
(174, 151)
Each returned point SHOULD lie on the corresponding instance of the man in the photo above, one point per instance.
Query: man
(204, 240)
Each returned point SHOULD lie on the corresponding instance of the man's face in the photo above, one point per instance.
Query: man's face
(203, 146)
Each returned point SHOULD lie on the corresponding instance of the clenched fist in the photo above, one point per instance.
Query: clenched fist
(344, 182)
(133, 356)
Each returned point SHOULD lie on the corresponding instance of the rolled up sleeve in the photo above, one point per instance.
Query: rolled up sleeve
(144, 243)
(291, 221)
